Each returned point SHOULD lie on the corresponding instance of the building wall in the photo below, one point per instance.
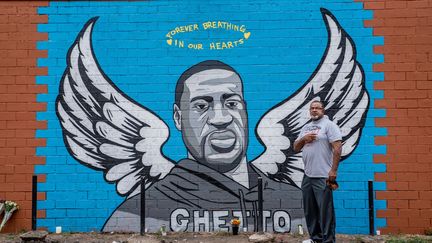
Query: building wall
(18, 88)
(137, 46)
(406, 26)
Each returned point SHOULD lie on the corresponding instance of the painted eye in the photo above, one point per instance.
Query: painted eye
(234, 104)
(200, 106)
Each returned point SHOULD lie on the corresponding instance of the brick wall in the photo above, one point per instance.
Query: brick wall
(407, 28)
(132, 49)
(18, 105)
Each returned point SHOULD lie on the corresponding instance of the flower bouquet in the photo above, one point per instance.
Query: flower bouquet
(235, 223)
(9, 208)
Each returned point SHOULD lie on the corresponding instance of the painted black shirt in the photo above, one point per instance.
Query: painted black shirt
(194, 197)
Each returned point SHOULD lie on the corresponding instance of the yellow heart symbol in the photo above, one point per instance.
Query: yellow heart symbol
(246, 35)
(169, 41)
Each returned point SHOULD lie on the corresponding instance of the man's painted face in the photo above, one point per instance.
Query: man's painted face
(316, 111)
(214, 119)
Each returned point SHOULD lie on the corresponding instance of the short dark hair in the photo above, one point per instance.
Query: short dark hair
(202, 66)
(318, 101)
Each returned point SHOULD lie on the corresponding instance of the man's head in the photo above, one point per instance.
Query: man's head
(210, 112)
(316, 110)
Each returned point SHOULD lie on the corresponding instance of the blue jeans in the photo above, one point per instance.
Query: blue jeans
(319, 209)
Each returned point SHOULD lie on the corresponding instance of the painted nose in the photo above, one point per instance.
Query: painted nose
(219, 117)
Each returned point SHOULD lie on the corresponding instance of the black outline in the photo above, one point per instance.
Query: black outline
(187, 225)
(272, 217)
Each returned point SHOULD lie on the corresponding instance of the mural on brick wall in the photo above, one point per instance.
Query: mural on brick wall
(108, 131)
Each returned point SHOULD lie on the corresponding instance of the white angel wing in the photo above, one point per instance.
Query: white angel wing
(105, 129)
(339, 83)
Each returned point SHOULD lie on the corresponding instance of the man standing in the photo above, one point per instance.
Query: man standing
(320, 142)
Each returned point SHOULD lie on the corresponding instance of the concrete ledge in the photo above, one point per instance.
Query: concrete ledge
(35, 236)
(266, 237)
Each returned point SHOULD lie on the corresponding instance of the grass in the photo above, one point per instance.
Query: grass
(410, 239)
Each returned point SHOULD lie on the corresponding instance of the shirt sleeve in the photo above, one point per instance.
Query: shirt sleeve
(301, 134)
(334, 133)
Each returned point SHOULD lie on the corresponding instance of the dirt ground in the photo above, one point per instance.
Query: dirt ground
(204, 238)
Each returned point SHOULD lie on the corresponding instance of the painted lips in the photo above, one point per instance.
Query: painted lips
(222, 141)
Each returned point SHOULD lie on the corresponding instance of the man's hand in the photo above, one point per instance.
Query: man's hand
(332, 175)
(309, 138)
(331, 181)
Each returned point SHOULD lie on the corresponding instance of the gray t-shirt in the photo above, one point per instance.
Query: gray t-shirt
(318, 155)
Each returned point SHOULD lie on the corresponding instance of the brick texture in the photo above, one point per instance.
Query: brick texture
(407, 30)
(18, 105)
(406, 27)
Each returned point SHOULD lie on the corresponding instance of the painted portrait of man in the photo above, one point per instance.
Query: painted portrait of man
(210, 110)
(215, 182)
(106, 130)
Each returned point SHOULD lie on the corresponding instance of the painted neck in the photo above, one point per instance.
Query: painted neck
(240, 173)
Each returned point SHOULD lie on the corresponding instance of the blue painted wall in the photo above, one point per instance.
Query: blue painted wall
(286, 43)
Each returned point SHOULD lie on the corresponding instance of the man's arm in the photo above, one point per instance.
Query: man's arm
(298, 145)
(337, 151)
(308, 138)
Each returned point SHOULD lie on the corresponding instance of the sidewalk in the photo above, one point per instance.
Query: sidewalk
(203, 238)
